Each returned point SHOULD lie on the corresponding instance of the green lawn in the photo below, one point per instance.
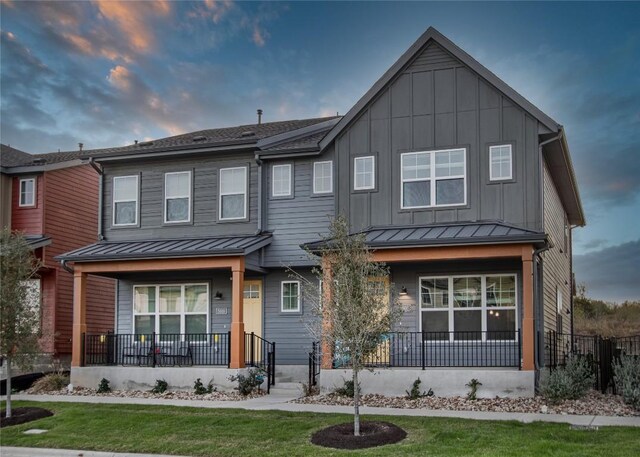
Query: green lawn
(222, 432)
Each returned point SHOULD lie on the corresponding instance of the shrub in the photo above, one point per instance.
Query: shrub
(570, 382)
(104, 387)
(247, 384)
(347, 390)
(473, 385)
(200, 389)
(51, 382)
(309, 390)
(627, 378)
(160, 387)
(415, 393)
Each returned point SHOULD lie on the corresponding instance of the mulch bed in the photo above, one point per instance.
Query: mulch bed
(23, 415)
(372, 434)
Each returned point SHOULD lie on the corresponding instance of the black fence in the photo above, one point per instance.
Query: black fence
(314, 364)
(166, 349)
(261, 353)
(441, 349)
(601, 352)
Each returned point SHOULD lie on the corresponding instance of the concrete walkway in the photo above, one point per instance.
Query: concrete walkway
(43, 452)
(279, 401)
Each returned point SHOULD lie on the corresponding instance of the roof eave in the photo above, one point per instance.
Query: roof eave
(24, 169)
(235, 147)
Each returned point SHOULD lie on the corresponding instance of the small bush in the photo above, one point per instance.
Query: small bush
(50, 383)
(248, 383)
(473, 386)
(347, 390)
(627, 378)
(104, 387)
(200, 389)
(415, 392)
(160, 387)
(570, 382)
(309, 390)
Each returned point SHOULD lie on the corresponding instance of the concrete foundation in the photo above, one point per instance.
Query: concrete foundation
(144, 378)
(448, 382)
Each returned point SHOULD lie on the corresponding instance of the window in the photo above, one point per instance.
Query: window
(436, 178)
(251, 290)
(323, 177)
(290, 296)
(500, 161)
(559, 299)
(125, 200)
(233, 193)
(177, 197)
(482, 307)
(364, 173)
(27, 192)
(281, 180)
(171, 309)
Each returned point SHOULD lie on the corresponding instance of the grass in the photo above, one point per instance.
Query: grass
(231, 432)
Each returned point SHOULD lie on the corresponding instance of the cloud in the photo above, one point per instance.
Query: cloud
(611, 273)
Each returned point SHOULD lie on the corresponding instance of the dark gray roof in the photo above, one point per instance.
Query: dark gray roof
(443, 234)
(308, 142)
(157, 249)
(10, 157)
(37, 241)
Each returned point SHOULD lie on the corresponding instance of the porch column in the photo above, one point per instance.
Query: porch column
(237, 319)
(326, 362)
(79, 316)
(528, 329)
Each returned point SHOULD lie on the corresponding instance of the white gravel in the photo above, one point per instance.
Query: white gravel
(169, 395)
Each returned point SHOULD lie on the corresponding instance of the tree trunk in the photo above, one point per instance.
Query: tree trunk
(356, 403)
(8, 405)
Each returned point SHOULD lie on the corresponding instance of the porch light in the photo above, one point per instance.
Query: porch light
(218, 295)
(403, 292)
(102, 338)
(142, 338)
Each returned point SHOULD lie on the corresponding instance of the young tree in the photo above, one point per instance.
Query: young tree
(19, 318)
(352, 310)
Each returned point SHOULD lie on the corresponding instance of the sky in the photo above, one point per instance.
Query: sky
(106, 73)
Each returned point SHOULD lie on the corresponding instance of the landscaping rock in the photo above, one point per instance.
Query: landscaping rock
(169, 395)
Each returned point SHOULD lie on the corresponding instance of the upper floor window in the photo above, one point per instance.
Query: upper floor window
(281, 180)
(177, 197)
(233, 193)
(435, 178)
(27, 192)
(323, 177)
(500, 162)
(125, 200)
(364, 173)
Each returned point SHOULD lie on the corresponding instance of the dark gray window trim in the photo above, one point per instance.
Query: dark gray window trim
(352, 167)
(192, 172)
(247, 202)
(292, 170)
(485, 161)
(138, 209)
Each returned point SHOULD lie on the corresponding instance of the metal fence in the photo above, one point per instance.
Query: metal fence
(152, 349)
(261, 353)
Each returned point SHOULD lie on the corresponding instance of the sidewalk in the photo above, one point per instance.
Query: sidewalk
(43, 452)
(279, 401)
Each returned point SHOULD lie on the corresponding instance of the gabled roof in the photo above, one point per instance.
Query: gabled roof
(161, 249)
(10, 157)
(466, 233)
(433, 35)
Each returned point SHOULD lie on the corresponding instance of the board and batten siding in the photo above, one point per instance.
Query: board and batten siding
(436, 102)
(302, 218)
(557, 260)
(204, 198)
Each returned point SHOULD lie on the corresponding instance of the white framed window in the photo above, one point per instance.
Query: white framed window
(125, 200)
(177, 196)
(290, 293)
(323, 177)
(364, 172)
(500, 162)
(433, 178)
(251, 290)
(233, 193)
(171, 309)
(281, 180)
(559, 299)
(469, 308)
(27, 192)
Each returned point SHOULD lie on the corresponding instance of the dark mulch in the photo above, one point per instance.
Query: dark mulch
(23, 415)
(371, 434)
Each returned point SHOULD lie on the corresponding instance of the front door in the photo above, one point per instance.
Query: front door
(253, 310)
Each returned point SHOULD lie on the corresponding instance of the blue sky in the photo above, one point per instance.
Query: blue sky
(107, 73)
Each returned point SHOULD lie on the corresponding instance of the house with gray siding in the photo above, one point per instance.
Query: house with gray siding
(462, 186)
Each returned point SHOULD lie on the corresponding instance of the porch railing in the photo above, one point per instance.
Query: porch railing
(314, 364)
(157, 349)
(261, 353)
(442, 349)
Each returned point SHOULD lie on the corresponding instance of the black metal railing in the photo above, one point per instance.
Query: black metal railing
(153, 349)
(314, 364)
(261, 353)
(601, 353)
(441, 349)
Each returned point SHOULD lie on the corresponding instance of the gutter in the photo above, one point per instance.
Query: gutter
(100, 170)
(260, 206)
(541, 171)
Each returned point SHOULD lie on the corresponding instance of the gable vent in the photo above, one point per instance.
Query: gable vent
(145, 143)
(39, 161)
(199, 138)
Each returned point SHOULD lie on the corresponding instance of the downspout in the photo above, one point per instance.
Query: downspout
(537, 300)
(66, 267)
(100, 172)
(544, 143)
(259, 162)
